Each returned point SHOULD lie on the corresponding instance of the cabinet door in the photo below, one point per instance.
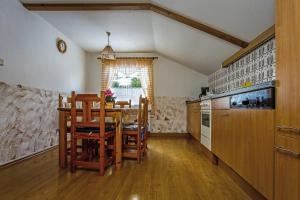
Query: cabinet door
(287, 167)
(287, 63)
(195, 123)
(244, 140)
(189, 117)
(221, 135)
(287, 171)
(253, 135)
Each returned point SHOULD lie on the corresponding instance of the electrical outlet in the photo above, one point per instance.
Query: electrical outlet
(1, 62)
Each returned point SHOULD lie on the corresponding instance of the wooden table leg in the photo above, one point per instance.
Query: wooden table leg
(119, 142)
(62, 140)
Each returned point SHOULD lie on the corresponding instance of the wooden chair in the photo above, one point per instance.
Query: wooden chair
(122, 104)
(68, 133)
(98, 140)
(138, 132)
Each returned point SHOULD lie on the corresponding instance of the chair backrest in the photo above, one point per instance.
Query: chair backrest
(146, 113)
(122, 104)
(143, 112)
(60, 101)
(88, 118)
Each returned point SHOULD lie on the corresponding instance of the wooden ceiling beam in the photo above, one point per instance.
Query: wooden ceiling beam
(258, 41)
(137, 6)
(198, 25)
(85, 6)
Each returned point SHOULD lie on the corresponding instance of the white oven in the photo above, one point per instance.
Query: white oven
(206, 123)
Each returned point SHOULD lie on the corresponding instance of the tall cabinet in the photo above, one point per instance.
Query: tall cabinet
(287, 137)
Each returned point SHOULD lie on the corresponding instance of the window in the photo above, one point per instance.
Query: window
(128, 78)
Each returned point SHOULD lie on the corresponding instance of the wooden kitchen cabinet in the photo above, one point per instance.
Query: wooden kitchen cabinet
(287, 63)
(189, 117)
(287, 167)
(193, 120)
(287, 136)
(221, 138)
(287, 170)
(244, 140)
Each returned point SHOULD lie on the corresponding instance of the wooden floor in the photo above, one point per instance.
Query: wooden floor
(174, 168)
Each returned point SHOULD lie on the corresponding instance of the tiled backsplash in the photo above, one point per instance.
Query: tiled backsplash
(256, 67)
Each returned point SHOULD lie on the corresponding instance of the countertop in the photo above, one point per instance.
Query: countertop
(238, 91)
(193, 101)
(265, 85)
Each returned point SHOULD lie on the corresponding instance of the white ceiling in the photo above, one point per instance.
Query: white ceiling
(131, 30)
(144, 31)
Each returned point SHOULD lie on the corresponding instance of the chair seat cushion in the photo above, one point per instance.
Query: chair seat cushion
(93, 129)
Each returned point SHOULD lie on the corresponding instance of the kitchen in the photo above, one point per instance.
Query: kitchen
(242, 121)
(198, 99)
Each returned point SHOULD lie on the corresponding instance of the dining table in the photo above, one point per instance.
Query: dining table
(117, 114)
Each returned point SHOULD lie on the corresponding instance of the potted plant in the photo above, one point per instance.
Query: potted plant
(109, 98)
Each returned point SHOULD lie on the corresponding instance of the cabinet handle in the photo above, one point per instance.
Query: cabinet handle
(288, 129)
(289, 152)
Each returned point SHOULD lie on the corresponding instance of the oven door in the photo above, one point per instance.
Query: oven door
(205, 118)
(206, 128)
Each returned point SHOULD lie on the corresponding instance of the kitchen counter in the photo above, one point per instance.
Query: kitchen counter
(265, 85)
(193, 101)
(238, 91)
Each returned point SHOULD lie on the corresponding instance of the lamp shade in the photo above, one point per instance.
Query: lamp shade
(107, 53)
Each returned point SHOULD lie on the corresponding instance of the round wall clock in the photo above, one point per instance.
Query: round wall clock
(61, 46)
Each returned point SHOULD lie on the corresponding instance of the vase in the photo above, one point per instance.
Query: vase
(109, 105)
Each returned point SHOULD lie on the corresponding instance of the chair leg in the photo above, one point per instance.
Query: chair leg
(145, 140)
(101, 156)
(114, 151)
(138, 149)
(73, 153)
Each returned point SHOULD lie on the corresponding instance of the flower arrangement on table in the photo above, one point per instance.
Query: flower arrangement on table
(109, 98)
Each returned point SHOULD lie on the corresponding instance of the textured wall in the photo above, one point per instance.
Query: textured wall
(170, 115)
(28, 121)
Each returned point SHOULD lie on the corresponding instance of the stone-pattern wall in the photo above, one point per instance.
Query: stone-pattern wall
(170, 115)
(28, 121)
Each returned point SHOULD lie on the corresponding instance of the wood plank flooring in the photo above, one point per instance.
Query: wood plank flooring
(174, 168)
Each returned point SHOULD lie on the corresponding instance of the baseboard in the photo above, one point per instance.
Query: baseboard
(246, 187)
(205, 151)
(209, 154)
(28, 157)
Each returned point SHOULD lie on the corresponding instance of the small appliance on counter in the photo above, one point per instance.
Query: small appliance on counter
(204, 91)
(259, 99)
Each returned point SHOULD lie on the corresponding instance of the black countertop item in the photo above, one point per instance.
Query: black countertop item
(248, 89)
(270, 84)
(193, 101)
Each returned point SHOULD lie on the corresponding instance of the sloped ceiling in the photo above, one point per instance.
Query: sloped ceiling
(144, 31)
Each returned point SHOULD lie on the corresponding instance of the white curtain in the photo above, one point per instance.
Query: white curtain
(123, 70)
